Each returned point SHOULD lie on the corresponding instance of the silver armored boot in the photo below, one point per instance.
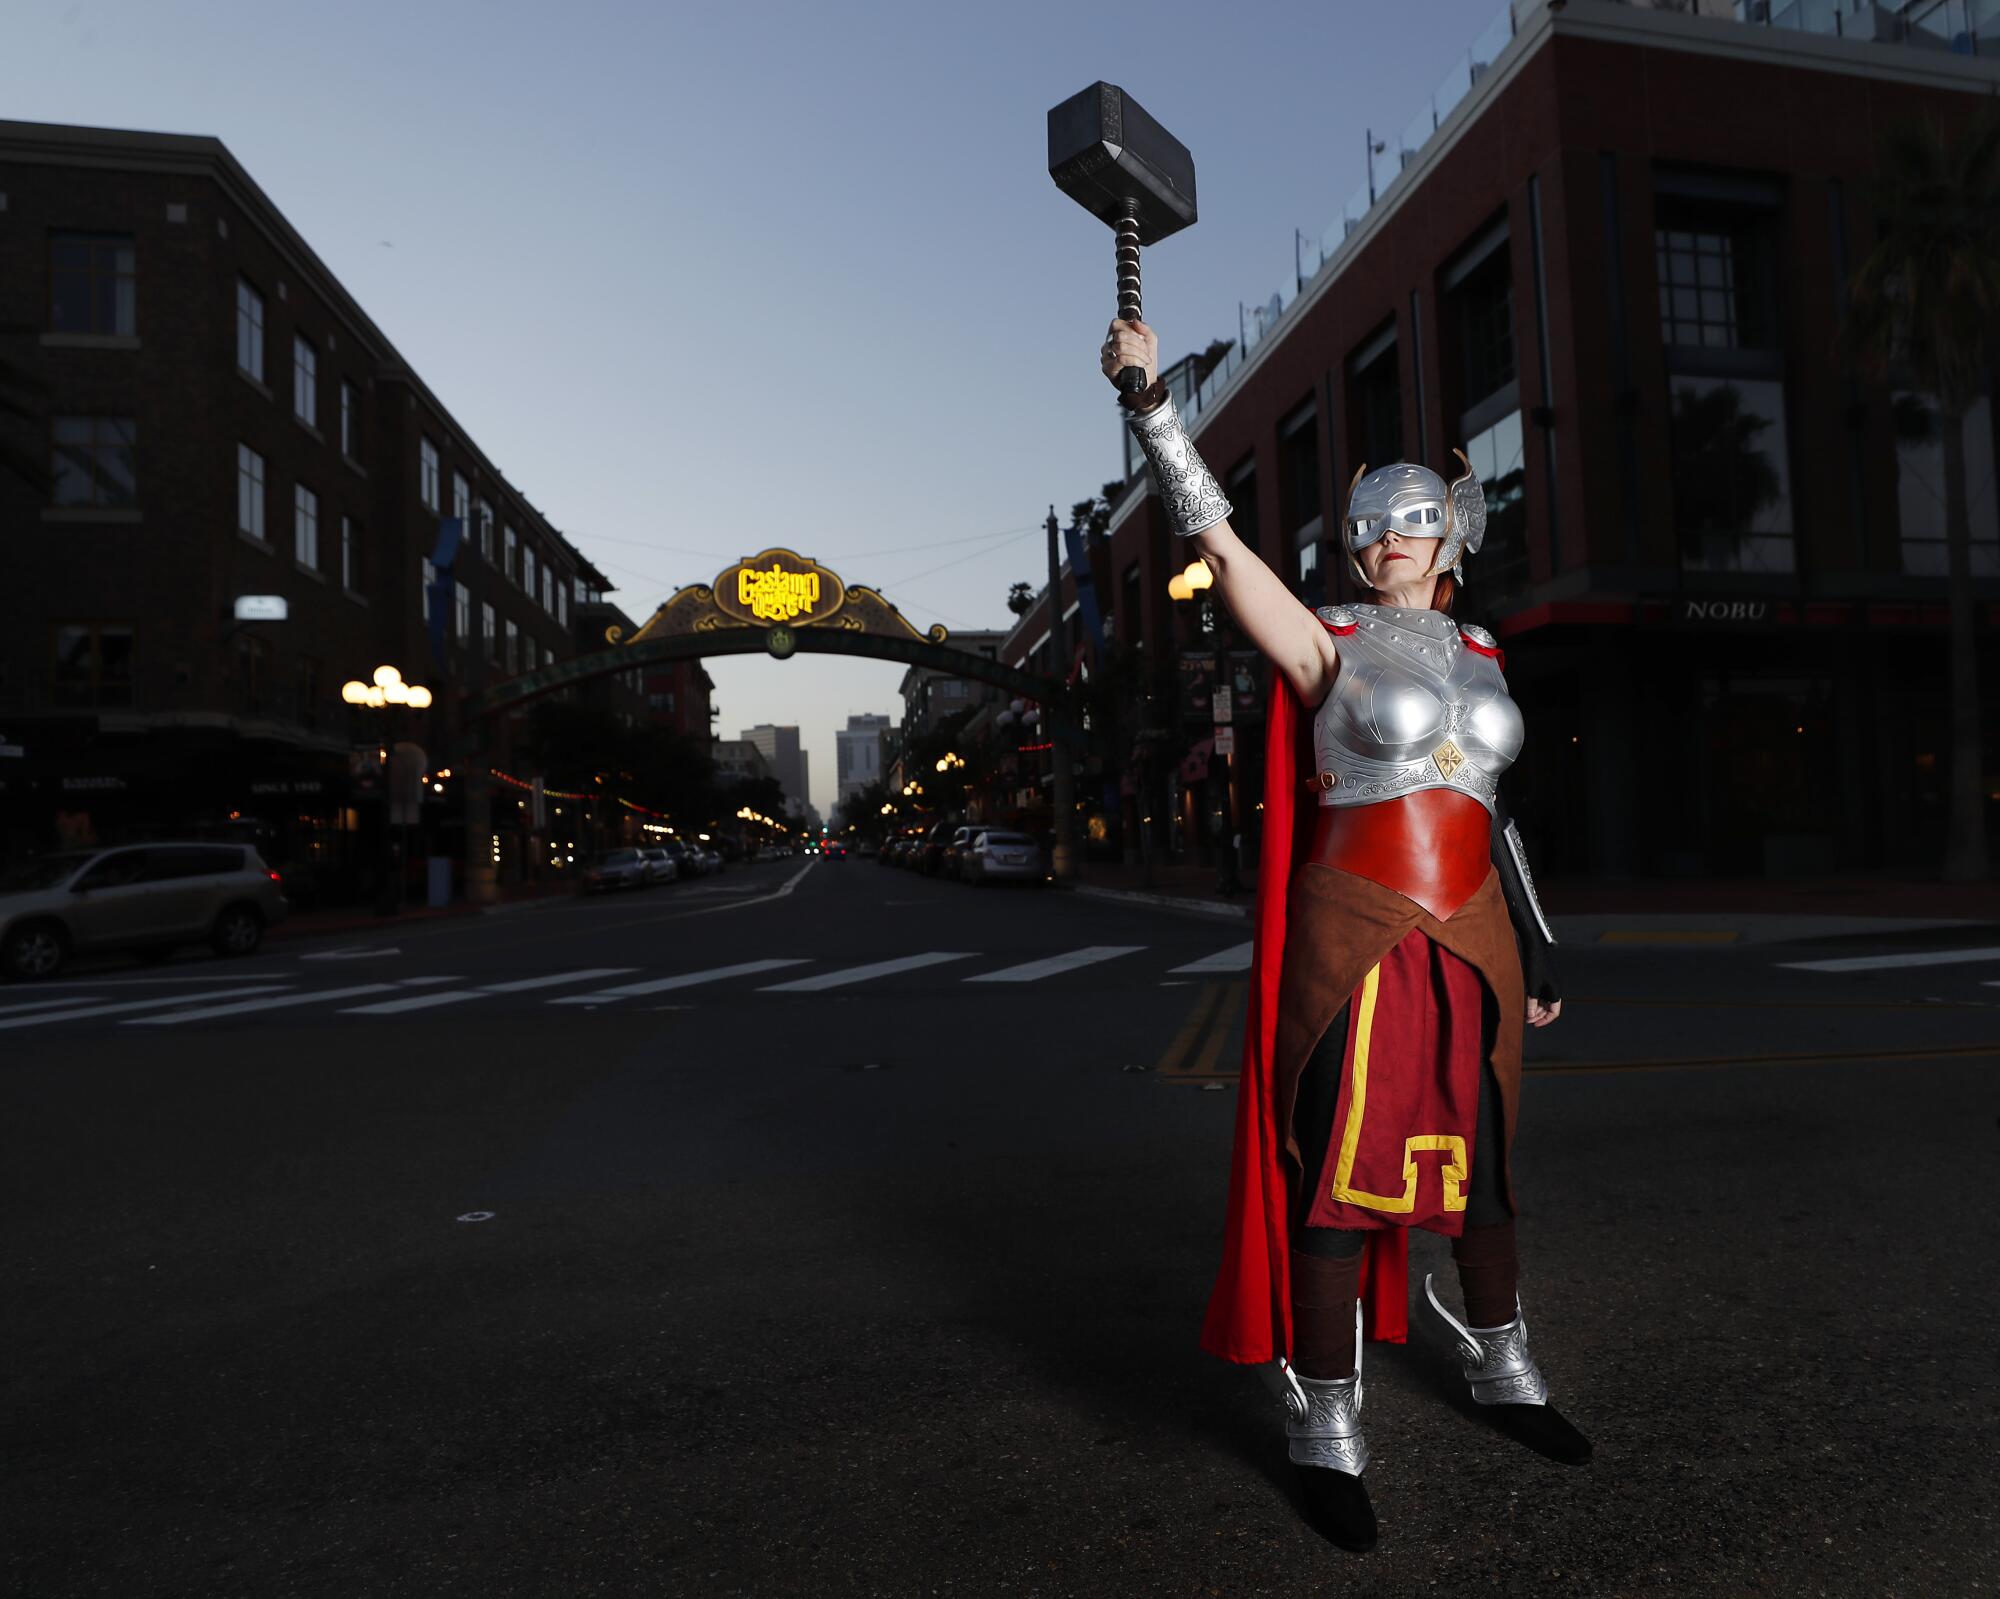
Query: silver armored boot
(1504, 1375)
(1323, 1432)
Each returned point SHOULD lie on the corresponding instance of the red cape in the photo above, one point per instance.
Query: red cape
(1250, 1311)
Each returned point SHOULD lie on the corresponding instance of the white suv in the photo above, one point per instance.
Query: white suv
(149, 897)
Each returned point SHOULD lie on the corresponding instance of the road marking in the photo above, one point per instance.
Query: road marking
(1828, 1058)
(454, 996)
(1236, 958)
(662, 985)
(50, 1004)
(115, 983)
(1195, 1054)
(783, 889)
(1640, 936)
(427, 982)
(1034, 971)
(555, 979)
(375, 953)
(134, 1004)
(861, 974)
(249, 1005)
(1883, 963)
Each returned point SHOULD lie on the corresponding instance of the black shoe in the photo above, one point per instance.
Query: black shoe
(1337, 1507)
(1543, 1429)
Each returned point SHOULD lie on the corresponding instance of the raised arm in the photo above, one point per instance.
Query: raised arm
(1272, 617)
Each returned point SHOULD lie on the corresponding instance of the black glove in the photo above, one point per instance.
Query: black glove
(1537, 968)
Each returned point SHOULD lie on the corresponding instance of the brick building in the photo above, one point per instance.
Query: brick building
(1609, 261)
(223, 420)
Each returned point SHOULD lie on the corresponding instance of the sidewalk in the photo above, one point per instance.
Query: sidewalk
(360, 918)
(1726, 910)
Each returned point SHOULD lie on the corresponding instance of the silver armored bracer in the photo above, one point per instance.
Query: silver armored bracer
(1194, 500)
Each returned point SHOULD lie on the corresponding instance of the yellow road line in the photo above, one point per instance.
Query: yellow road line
(1823, 1058)
(1195, 1055)
(1206, 1002)
(1635, 936)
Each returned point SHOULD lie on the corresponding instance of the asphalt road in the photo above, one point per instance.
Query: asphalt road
(590, 1250)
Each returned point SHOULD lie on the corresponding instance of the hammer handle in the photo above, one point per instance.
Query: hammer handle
(1131, 379)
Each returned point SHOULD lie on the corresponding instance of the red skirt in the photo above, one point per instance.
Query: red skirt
(1400, 1153)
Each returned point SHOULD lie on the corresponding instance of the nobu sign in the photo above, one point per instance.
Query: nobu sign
(778, 586)
(1718, 611)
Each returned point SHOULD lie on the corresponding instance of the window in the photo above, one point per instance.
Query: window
(305, 692)
(249, 330)
(92, 288)
(489, 633)
(461, 503)
(512, 660)
(486, 532)
(1496, 456)
(1298, 469)
(1376, 403)
(305, 380)
(348, 421)
(528, 569)
(562, 604)
(253, 673)
(305, 527)
(461, 614)
(1732, 483)
(1716, 261)
(249, 491)
(1312, 587)
(350, 556)
(1483, 306)
(548, 590)
(427, 474)
(93, 664)
(94, 459)
(425, 583)
(507, 551)
(1920, 487)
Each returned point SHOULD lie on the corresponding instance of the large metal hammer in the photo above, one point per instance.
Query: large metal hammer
(1120, 165)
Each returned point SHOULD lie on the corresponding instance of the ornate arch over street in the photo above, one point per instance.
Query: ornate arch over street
(776, 602)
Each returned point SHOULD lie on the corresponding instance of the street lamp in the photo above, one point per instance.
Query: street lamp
(384, 690)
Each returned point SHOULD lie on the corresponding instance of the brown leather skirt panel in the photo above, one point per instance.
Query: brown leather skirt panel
(1433, 846)
(1337, 925)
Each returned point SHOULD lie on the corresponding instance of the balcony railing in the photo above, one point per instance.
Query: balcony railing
(1959, 27)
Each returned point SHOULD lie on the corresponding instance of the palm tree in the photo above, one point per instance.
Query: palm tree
(1925, 307)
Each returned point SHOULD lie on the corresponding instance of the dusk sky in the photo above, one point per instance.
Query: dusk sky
(703, 279)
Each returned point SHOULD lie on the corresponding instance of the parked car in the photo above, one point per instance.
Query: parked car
(148, 897)
(686, 859)
(955, 846)
(657, 865)
(865, 848)
(622, 868)
(711, 858)
(995, 855)
(930, 855)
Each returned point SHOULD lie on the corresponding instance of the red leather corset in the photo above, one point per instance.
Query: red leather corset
(1433, 846)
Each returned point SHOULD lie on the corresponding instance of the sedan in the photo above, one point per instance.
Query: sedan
(994, 856)
(622, 868)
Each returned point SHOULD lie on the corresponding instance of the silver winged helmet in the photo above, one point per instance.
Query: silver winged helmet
(1418, 502)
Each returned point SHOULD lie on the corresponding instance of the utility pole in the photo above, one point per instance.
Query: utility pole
(1062, 860)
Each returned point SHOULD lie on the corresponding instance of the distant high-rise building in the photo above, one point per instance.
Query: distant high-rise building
(780, 748)
(858, 754)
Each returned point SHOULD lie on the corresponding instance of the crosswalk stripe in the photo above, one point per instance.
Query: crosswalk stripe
(555, 979)
(154, 1003)
(455, 996)
(1034, 971)
(52, 1004)
(662, 985)
(279, 1002)
(861, 974)
(1883, 963)
(1236, 958)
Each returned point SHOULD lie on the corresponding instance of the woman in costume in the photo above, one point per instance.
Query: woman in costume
(1400, 952)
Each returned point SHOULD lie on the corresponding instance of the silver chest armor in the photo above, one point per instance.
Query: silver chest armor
(1418, 703)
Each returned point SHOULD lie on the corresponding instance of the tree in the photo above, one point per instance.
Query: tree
(1923, 309)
